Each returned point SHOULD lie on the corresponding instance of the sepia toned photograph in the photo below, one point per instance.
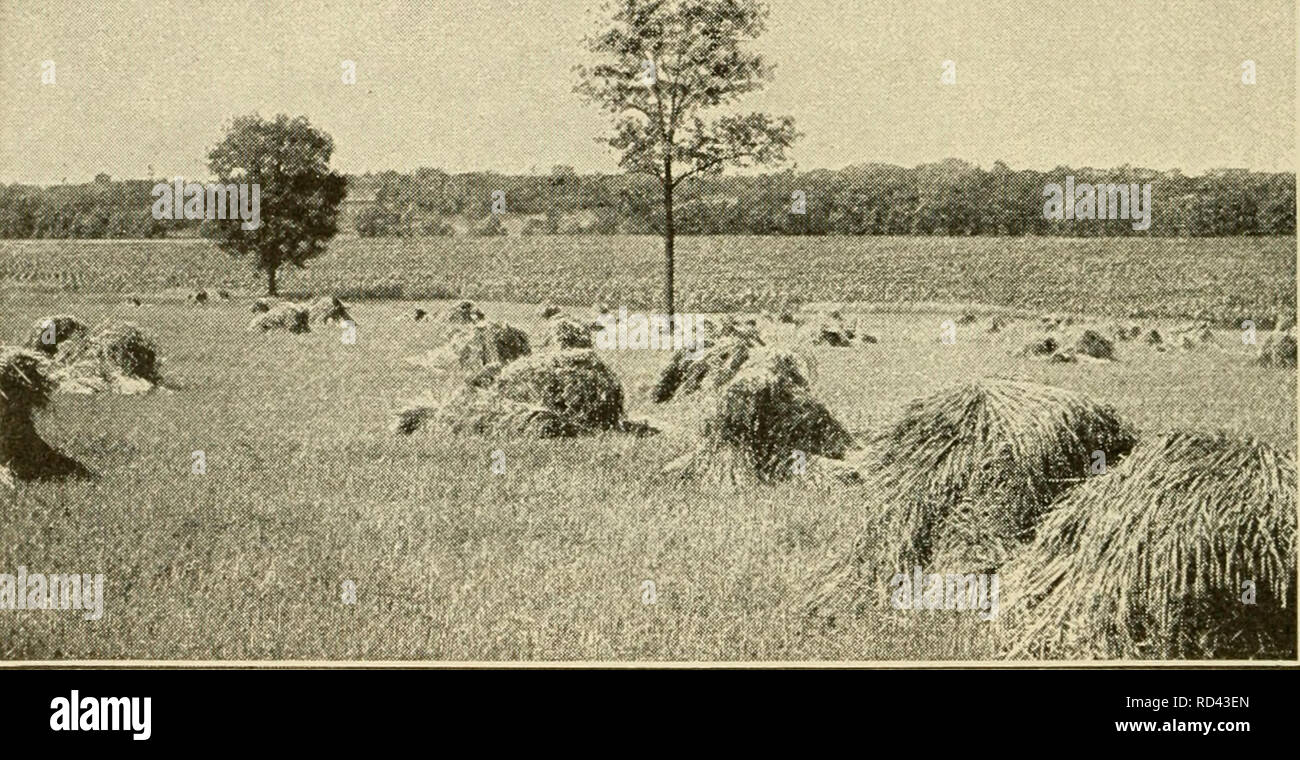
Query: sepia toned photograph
(647, 332)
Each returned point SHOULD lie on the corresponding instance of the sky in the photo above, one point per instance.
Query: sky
(487, 85)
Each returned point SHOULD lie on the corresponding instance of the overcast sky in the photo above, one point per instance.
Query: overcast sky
(469, 85)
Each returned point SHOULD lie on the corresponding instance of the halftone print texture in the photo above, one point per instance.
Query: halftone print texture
(648, 331)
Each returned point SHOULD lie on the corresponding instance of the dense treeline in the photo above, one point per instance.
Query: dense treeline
(100, 209)
(947, 198)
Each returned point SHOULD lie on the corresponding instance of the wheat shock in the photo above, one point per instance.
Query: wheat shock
(1154, 704)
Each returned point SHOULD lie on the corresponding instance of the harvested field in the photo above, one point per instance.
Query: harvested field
(306, 484)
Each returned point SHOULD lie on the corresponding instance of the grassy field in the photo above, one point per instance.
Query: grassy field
(1224, 280)
(306, 488)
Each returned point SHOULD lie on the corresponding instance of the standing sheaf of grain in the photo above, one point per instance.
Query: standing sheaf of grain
(287, 316)
(25, 385)
(964, 475)
(471, 410)
(559, 394)
(1094, 344)
(477, 353)
(1150, 560)
(1278, 349)
(58, 328)
(115, 356)
(328, 310)
(463, 313)
(762, 420)
(711, 366)
(575, 384)
(568, 333)
(835, 333)
(25, 388)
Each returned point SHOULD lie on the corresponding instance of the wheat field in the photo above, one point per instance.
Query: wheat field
(306, 489)
(1224, 280)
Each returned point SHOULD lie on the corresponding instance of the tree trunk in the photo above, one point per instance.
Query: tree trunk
(270, 282)
(668, 240)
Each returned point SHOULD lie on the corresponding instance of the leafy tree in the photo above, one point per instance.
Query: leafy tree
(288, 160)
(659, 67)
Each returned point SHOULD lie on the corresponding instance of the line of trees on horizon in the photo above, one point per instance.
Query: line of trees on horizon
(950, 197)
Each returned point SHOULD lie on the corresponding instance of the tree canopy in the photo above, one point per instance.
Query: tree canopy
(299, 194)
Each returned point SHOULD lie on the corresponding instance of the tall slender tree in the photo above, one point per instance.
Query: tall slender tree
(660, 67)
